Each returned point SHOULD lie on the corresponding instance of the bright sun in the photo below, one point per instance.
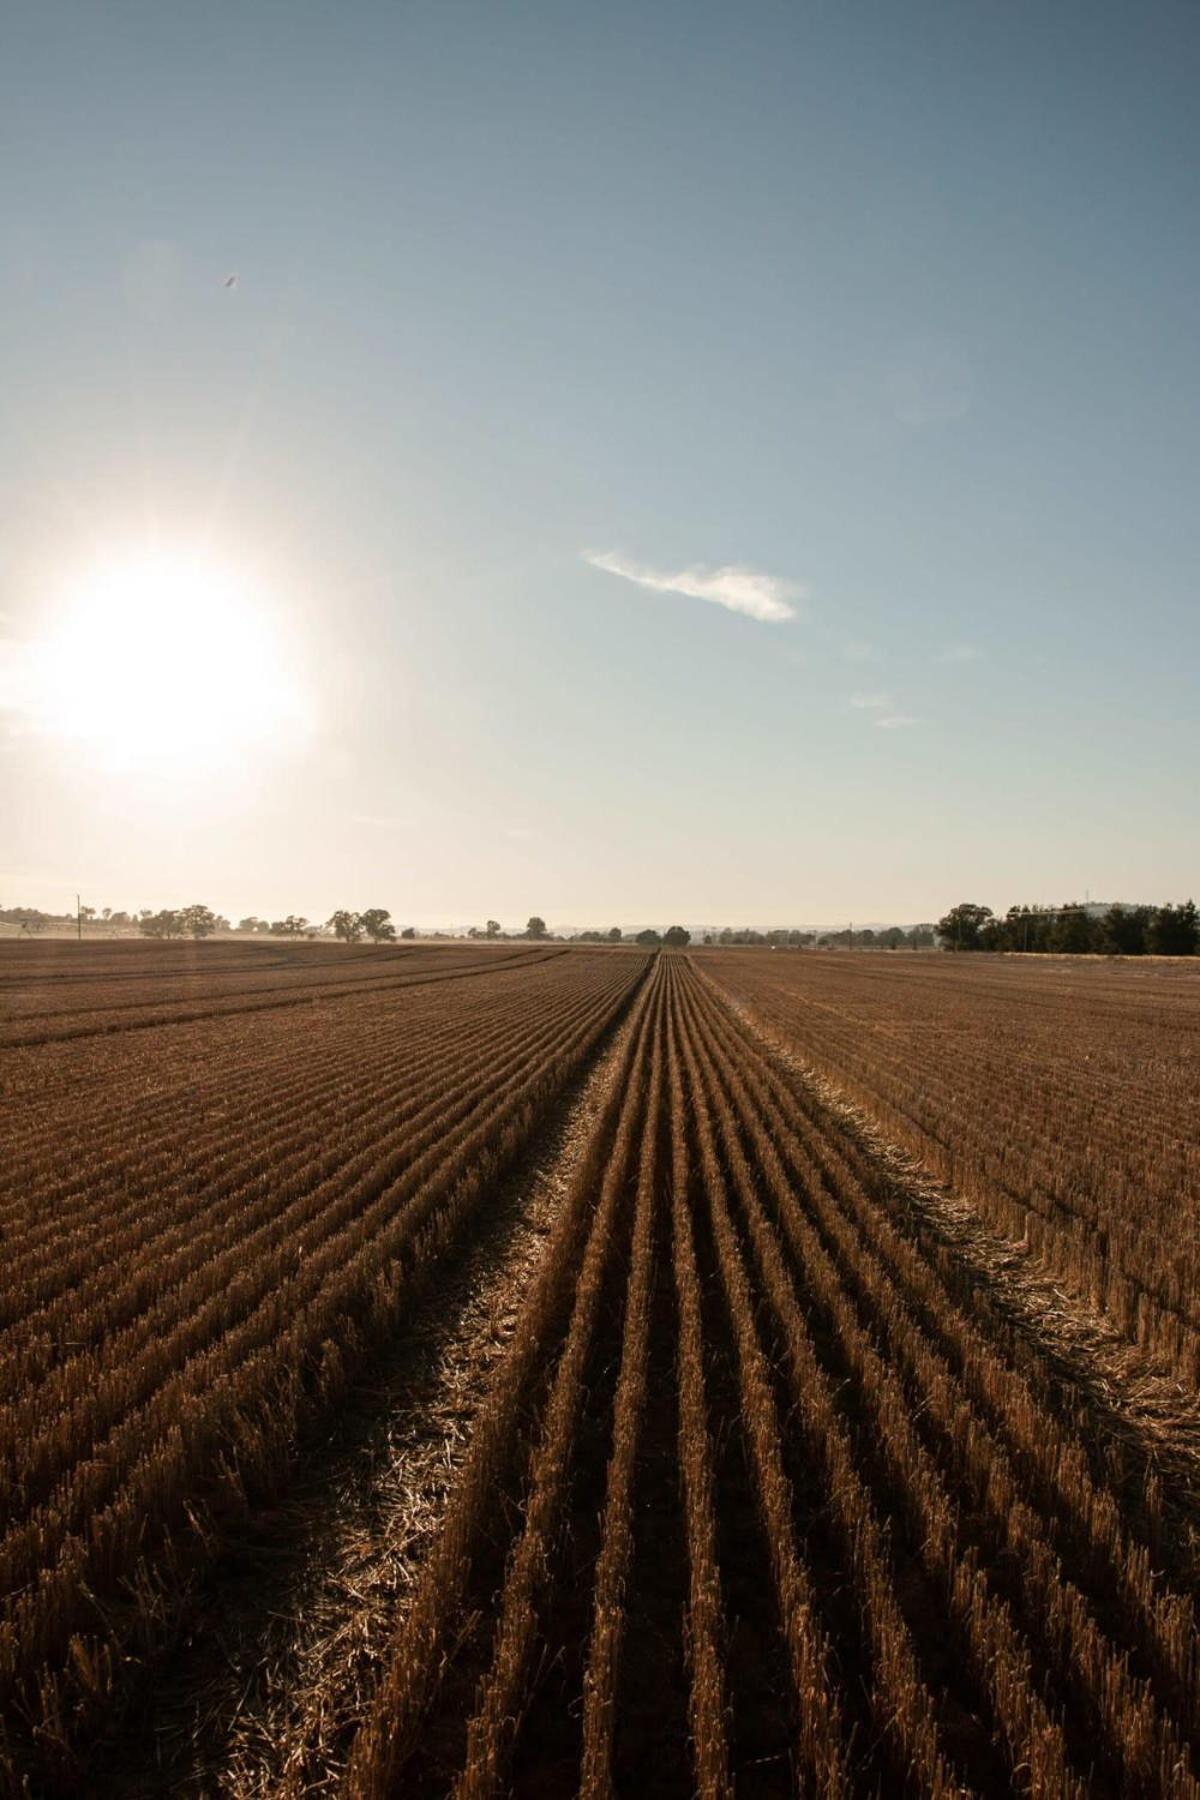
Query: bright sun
(167, 661)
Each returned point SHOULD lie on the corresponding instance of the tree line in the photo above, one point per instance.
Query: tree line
(375, 923)
(199, 921)
(168, 922)
(888, 937)
(1075, 929)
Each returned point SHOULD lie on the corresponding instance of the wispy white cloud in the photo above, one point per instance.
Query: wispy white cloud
(871, 702)
(767, 598)
(960, 653)
(896, 721)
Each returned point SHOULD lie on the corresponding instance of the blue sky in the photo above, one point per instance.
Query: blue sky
(889, 311)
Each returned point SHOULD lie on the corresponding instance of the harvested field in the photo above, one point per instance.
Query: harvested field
(1061, 1096)
(44, 995)
(891, 1552)
(208, 1227)
(726, 1451)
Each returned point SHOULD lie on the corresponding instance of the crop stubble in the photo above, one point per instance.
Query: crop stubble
(940, 1580)
(772, 1487)
(178, 1310)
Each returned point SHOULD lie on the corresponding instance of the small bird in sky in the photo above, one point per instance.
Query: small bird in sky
(231, 281)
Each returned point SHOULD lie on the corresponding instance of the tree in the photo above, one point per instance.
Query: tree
(29, 918)
(1074, 932)
(1174, 930)
(614, 934)
(346, 925)
(250, 924)
(377, 923)
(678, 937)
(492, 928)
(164, 924)
(408, 932)
(647, 937)
(536, 928)
(961, 926)
(1123, 930)
(295, 925)
(1031, 928)
(198, 921)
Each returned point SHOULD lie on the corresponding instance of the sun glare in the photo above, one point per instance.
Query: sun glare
(166, 661)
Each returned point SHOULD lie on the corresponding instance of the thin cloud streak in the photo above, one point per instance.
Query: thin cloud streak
(896, 722)
(767, 598)
(871, 702)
